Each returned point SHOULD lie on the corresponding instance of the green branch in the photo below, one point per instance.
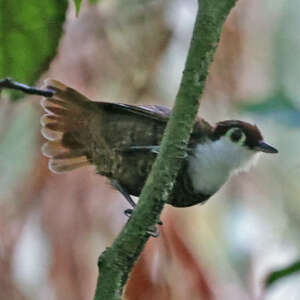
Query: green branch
(116, 262)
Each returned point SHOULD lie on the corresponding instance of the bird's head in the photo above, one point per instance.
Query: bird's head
(242, 134)
(238, 142)
(229, 149)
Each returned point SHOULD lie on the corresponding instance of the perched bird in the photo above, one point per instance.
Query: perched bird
(123, 140)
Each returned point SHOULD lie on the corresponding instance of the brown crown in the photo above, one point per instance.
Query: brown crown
(253, 135)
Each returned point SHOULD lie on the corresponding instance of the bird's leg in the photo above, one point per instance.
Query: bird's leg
(128, 212)
(117, 185)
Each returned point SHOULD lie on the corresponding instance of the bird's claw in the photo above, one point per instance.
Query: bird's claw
(128, 212)
(154, 232)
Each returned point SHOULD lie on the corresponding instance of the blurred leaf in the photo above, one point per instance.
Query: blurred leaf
(94, 1)
(286, 46)
(278, 107)
(282, 273)
(29, 35)
(17, 145)
(285, 66)
(77, 6)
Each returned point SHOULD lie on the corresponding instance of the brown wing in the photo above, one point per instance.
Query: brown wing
(157, 112)
(118, 127)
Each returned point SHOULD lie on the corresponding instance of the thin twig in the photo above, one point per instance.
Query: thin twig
(8, 83)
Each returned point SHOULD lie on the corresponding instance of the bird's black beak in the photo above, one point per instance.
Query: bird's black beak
(264, 147)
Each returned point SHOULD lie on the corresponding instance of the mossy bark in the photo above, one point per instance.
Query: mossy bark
(116, 262)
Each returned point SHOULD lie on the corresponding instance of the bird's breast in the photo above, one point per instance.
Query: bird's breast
(207, 169)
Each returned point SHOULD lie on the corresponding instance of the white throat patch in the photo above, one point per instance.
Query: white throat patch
(213, 162)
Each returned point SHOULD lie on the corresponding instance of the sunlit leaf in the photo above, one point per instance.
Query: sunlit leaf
(29, 35)
(282, 273)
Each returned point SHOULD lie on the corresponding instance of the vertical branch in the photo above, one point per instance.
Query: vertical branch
(117, 261)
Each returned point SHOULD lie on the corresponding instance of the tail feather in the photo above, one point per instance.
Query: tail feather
(51, 135)
(64, 125)
(63, 165)
(57, 151)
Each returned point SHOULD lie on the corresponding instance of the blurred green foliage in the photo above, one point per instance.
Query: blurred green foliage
(77, 6)
(282, 273)
(29, 35)
(282, 105)
(278, 107)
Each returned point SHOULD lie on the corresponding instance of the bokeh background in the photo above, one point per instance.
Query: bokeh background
(54, 227)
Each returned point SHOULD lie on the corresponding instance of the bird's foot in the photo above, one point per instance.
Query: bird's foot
(154, 232)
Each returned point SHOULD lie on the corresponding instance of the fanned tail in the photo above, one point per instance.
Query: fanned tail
(65, 126)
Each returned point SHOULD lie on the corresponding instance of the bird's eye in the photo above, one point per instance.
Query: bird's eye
(236, 135)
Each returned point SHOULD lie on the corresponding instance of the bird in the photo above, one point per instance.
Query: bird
(122, 142)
